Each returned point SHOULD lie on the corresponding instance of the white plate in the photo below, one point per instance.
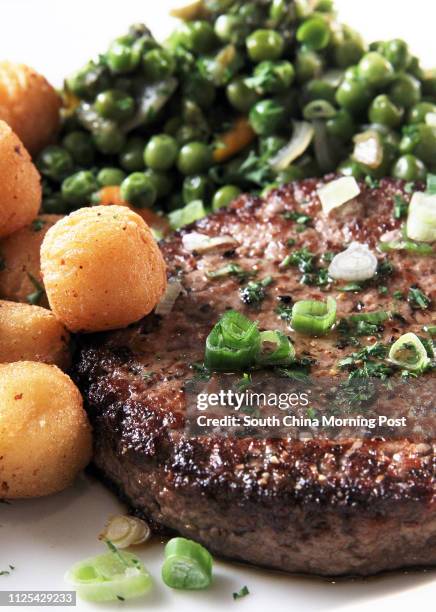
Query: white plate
(42, 538)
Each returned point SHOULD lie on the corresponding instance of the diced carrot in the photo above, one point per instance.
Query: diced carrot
(112, 195)
(234, 141)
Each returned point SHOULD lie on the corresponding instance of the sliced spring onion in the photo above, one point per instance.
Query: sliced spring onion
(368, 149)
(338, 192)
(302, 135)
(184, 216)
(173, 290)
(109, 577)
(187, 565)
(370, 317)
(124, 531)
(203, 243)
(233, 344)
(408, 352)
(356, 263)
(313, 317)
(281, 353)
(230, 269)
(406, 245)
(421, 221)
(431, 184)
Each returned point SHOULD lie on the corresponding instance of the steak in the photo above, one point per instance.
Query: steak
(351, 506)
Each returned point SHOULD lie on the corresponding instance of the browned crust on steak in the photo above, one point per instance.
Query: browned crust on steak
(351, 507)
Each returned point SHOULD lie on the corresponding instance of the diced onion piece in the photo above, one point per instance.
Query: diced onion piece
(113, 576)
(202, 243)
(124, 531)
(188, 12)
(430, 119)
(338, 192)
(170, 296)
(421, 221)
(302, 136)
(357, 263)
(368, 149)
(409, 352)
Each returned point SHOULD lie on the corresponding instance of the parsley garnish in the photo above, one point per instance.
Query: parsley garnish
(243, 592)
(7, 572)
(254, 293)
(284, 312)
(37, 225)
(35, 297)
(417, 299)
(304, 260)
(371, 182)
(231, 269)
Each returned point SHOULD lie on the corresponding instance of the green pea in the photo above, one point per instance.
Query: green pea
(265, 45)
(138, 190)
(319, 89)
(199, 90)
(251, 13)
(405, 90)
(161, 152)
(197, 36)
(308, 65)
(107, 177)
(418, 113)
(158, 64)
(194, 158)
(109, 139)
(278, 10)
(314, 33)
(349, 167)
(341, 125)
(429, 83)
(325, 6)
(267, 116)
(420, 140)
(240, 96)
(224, 196)
(291, 173)
(348, 47)
(409, 168)
(78, 188)
(115, 104)
(55, 163)
(88, 81)
(196, 187)
(272, 77)
(353, 95)
(375, 69)
(231, 29)
(161, 181)
(124, 54)
(189, 133)
(80, 146)
(54, 205)
(397, 53)
(172, 125)
(414, 68)
(384, 111)
(131, 157)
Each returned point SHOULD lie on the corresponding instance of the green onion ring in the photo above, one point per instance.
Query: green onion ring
(233, 344)
(370, 317)
(313, 317)
(283, 353)
(187, 565)
(408, 352)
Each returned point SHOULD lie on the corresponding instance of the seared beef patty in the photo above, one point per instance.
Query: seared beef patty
(354, 506)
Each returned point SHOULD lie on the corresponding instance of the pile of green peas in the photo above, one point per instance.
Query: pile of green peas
(149, 117)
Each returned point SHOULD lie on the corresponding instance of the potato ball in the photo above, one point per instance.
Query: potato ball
(102, 269)
(45, 437)
(31, 333)
(29, 104)
(20, 262)
(20, 185)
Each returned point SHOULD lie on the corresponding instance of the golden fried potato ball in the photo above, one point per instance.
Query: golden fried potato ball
(45, 437)
(31, 333)
(29, 104)
(20, 185)
(102, 269)
(20, 261)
